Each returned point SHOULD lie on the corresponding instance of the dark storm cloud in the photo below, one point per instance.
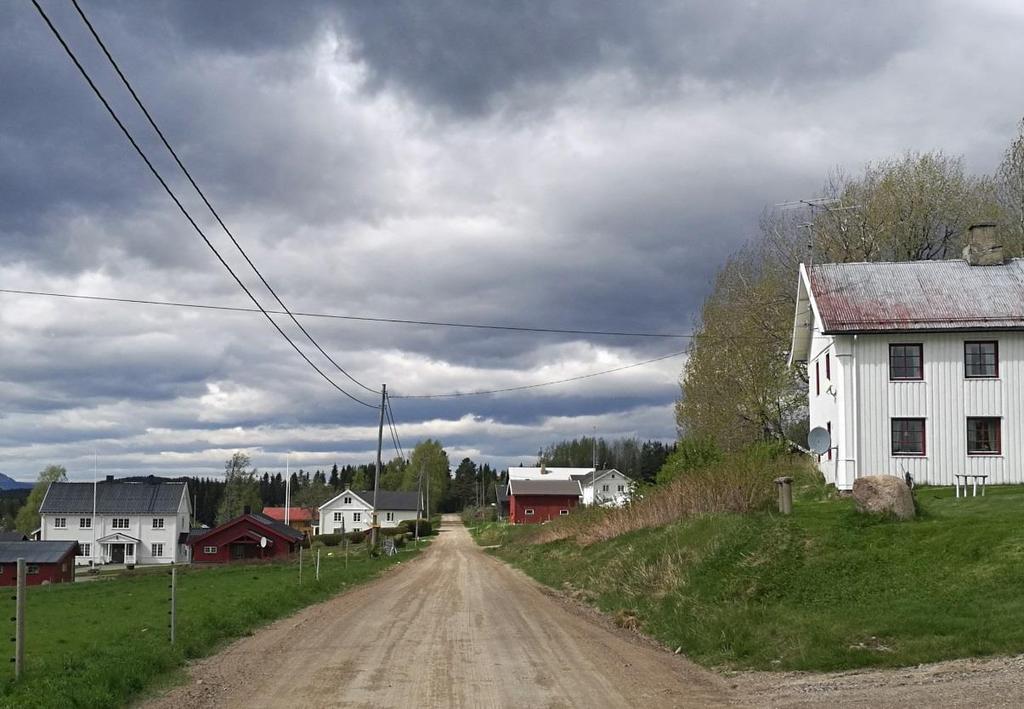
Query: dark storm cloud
(464, 55)
(580, 165)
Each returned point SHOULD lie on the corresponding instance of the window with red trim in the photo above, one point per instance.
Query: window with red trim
(984, 435)
(908, 436)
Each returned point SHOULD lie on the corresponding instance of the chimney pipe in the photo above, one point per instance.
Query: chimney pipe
(246, 510)
(110, 478)
(983, 247)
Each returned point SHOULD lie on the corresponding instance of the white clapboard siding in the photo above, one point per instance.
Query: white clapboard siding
(945, 399)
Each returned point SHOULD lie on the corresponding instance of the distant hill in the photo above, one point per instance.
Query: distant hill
(8, 483)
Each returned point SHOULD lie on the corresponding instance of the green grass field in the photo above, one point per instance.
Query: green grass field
(824, 589)
(101, 643)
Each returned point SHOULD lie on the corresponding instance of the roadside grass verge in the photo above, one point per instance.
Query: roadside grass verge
(101, 643)
(823, 589)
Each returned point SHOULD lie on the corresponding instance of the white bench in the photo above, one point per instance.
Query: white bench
(963, 478)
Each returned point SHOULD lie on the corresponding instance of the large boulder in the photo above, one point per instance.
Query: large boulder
(883, 495)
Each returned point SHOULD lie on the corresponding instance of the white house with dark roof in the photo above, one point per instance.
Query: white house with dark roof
(352, 511)
(917, 367)
(134, 522)
(605, 487)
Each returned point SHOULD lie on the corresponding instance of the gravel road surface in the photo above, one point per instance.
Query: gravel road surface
(452, 628)
(458, 628)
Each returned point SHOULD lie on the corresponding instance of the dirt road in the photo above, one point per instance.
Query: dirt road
(455, 628)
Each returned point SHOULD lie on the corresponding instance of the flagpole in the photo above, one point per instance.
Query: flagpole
(92, 549)
(287, 488)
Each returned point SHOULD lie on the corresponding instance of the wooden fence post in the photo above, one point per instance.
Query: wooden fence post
(174, 600)
(19, 622)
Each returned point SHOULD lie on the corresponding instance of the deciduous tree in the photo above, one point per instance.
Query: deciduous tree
(27, 520)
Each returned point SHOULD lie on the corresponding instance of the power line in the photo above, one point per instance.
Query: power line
(539, 384)
(206, 201)
(180, 206)
(393, 427)
(335, 316)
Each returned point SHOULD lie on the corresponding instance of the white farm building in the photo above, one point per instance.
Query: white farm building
(118, 522)
(352, 511)
(917, 367)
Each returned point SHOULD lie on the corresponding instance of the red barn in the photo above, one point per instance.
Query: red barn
(242, 539)
(45, 562)
(535, 501)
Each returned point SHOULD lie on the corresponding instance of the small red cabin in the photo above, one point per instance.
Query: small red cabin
(249, 537)
(536, 501)
(46, 562)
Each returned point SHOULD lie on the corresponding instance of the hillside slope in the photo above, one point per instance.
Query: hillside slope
(824, 589)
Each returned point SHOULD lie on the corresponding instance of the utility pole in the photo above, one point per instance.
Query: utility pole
(376, 474)
(593, 474)
(419, 502)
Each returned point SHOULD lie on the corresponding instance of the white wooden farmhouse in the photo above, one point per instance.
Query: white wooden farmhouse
(606, 487)
(352, 511)
(133, 523)
(917, 366)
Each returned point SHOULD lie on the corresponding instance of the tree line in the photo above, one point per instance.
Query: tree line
(216, 500)
(736, 386)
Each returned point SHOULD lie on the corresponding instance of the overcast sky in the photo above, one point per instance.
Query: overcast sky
(582, 165)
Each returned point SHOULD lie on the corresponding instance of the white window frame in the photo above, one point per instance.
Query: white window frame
(33, 569)
(622, 488)
(85, 522)
(120, 523)
(389, 516)
(158, 523)
(209, 550)
(563, 513)
(338, 516)
(604, 488)
(528, 512)
(357, 516)
(86, 549)
(158, 549)
(60, 522)
(346, 500)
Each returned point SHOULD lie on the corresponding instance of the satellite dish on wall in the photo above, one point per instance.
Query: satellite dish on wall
(819, 440)
(263, 542)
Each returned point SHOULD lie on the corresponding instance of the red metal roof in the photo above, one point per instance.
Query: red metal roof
(297, 514)
(918, 295)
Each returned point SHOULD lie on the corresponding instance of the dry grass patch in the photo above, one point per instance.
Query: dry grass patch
(743, 482)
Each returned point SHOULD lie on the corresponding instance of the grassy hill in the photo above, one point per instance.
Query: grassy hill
(824, 589)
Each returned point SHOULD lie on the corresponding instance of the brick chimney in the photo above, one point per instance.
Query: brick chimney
(983, 247)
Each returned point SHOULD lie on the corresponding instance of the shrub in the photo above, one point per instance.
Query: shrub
(357, 537)
(329, 540)
(399, 540)
(691, 454)
(425, 527)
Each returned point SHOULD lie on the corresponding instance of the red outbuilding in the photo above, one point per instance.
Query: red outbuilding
(250, 537)
(46, 562)
(535, 501)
